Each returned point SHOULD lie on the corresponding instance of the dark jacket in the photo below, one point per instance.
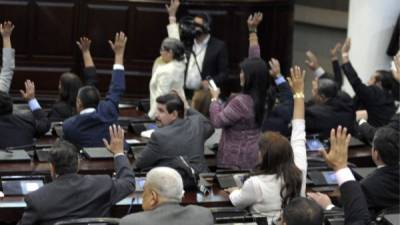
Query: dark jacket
(354, 204)
(215, 62)
(382, 189)
(367, 132)
(73, 196)
(378, 103)
(321, 118)
(20, 129)
(88, 130)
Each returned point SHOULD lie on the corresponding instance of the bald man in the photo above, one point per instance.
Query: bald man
(163, 191)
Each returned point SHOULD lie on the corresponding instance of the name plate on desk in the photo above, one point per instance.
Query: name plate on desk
(14, 156)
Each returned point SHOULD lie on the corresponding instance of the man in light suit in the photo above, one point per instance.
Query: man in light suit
(73, 196)
(89, 127)
(163, 191)
(177, 135)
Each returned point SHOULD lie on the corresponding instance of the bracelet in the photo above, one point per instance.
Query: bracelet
(252, 30)
(298, 95)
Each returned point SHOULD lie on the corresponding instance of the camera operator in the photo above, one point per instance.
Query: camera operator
(207, 56)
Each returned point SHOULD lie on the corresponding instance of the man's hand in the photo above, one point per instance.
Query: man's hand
(119, 47)
(275, 68)
(345, 50)
(173, 7)
(322, 200)
(116, 144)
(254, 20)
(205, 84)
(396, 69)
(6, 29)
(29, 92)
(84, 44)
(215, 93)
(337, 157)
(296, 80)
(232, 189)
(361, 114)
(311, 61)
(334, 51)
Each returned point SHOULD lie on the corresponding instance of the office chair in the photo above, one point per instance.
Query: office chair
(89, 221)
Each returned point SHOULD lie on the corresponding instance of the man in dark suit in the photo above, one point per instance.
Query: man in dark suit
(72, 196)
(20, 128)
(177, 135)
(163, 191)
(90, 126)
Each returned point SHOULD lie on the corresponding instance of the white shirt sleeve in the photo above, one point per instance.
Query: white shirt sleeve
(118, 67)
(298, 142)
(173, 31)
(319, 72)
(344, 175)
(249, 194)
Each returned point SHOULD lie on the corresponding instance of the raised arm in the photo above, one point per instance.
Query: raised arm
(172, 28)
(337, 72)
(125, 182)
(252, 24)
(7, 70)
(355, 205)
(396, 69)
(298, 138)
(89, 71)
(42, 124)
(117, 85)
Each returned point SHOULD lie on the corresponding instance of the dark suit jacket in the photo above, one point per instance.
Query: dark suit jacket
(378, 103)
(73, 196)
(321, 118)
(354, 203)
(367, 132)
(171, 214)
(61, 110)
(88, 130)
(20, 129)
(215, 62)
(382, 189)
(184, 137)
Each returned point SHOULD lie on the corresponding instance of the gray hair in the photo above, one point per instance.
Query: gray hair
(175, 46)
(167, 182)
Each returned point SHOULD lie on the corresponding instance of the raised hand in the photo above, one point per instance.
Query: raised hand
(29, 92)
(321, 199)
(254, 20)
(311, 61)
(337, 156)
(296, 80)
(346, 46)
(6, 29)
(275, 67)
(335, 50)
(173, 7)
(396, 69)
(116, 144)
(118, 46)
(84, 44)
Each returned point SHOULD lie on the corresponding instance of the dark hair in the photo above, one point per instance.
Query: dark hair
(389, 84)
(386, 142)
(175, 46)
(89, 96)
(6, 104)
(256, 85)
(327, 88)
(70, 84)
(173, 103)
(206, 27)
(277, 158)
(303, 211)
(64, 157)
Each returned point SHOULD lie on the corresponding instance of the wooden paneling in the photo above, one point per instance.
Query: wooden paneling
(46, 32)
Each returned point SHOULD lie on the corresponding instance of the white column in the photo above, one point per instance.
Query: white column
(370, 28)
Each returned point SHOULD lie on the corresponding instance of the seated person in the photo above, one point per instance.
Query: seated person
(177, 135)
(70, 83)
(17, 130)
(73, 196)
(328, 108)
(87, 128)
(163, 191)
(302, 211)
(378, 97)
(281, 175)
(381, 188)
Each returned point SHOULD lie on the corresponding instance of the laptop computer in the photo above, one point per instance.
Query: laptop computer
(139, 184)
(21, 185)
(14, 156)
(97, 153)
(323, 178)
(231, 180)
